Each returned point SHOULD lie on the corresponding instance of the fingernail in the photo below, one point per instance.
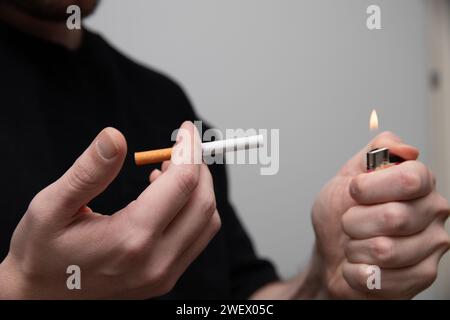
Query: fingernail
(106, 147)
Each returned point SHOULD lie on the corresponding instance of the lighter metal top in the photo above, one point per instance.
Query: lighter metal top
(377, 158)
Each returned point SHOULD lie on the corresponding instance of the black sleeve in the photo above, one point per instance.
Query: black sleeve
(248, 272)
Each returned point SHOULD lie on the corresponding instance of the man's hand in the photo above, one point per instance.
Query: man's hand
(139, 252)
(392, 218)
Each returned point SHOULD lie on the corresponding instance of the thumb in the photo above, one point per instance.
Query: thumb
(358, 165)
(395, 145)
(89, 176)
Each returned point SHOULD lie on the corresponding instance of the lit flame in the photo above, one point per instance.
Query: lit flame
(373, 121)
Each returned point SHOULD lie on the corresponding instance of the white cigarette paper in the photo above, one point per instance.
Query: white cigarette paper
(236, 144)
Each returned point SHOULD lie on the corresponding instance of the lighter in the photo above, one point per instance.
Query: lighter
(380, 158)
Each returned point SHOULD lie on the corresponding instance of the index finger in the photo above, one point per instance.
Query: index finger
(407, 181)
(166, 196)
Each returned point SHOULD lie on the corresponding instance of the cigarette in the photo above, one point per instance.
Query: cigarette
(208, 149)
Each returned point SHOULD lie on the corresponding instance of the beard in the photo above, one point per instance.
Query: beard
(52, 10)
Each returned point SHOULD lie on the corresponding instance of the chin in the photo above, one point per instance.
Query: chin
(53, 10)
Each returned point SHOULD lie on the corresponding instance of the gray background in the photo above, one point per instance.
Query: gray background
(309, 68)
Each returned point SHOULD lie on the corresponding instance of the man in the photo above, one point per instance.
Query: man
(59, 88)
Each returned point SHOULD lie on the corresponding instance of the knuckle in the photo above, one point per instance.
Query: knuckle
(34, 214)
(411, 181)
(209, 205)
(354, 275)
(216, 223)
(135, 248)
(38, 211)
(81, 178)
(443, 240)
(382, 250)
(428, 174)
(395, 217)
(430, 179)
(433, 179)
(356, 186)
(187, 180)
(430, 272)
(442, 207)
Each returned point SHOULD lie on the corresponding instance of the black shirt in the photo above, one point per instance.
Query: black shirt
(55, 101)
